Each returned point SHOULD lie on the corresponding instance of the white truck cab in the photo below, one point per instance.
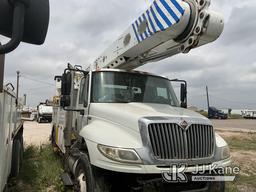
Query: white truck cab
(130, 124)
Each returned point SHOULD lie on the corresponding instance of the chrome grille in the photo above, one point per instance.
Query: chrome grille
(170, 141)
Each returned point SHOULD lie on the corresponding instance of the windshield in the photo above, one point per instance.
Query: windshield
(122, 87)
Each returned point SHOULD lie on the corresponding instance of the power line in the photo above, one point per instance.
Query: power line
(36, 80)
(36, 88)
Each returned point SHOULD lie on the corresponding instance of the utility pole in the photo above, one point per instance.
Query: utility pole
(17, 86)
(207, 94)
(25, 99)
(2, 59)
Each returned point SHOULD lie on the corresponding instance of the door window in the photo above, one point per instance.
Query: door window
(84, 89)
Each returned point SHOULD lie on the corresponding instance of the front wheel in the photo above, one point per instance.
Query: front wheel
(86, 179)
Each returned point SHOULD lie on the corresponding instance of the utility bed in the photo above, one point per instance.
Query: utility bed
(10, 130)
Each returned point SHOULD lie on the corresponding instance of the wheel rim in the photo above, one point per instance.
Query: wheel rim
(82, 182)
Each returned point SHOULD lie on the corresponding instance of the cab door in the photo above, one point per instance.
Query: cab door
(83, 103)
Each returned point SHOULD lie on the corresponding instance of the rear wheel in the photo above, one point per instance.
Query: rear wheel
(17, 153)
(22, 151)
(54, 141)
(53, 137)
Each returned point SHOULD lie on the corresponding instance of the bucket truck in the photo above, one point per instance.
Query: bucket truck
(125, 130)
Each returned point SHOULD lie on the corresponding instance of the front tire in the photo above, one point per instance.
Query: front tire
(87, 179)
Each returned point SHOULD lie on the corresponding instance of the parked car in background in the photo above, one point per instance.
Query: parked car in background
(214, 113)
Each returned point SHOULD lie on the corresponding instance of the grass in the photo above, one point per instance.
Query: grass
(236, 116)
(245, 181)
(41, 171)
(243, 143)
(242, 184)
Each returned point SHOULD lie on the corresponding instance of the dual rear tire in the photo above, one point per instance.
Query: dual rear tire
(17, 156)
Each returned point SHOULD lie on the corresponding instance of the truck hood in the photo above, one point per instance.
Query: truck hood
(128, 114)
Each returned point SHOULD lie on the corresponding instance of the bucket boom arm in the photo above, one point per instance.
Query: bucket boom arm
(166, 28)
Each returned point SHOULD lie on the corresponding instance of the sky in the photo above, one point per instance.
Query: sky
(80, 31)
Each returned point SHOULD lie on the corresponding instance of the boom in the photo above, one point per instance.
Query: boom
(166, 28)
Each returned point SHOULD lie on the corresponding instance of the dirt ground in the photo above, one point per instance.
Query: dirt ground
(36, 134)
(243, 153)
(235, 124)
(239, 155)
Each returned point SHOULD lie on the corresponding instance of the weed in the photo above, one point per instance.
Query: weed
(40, 171)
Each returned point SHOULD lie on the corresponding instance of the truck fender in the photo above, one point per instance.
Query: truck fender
(108, 133)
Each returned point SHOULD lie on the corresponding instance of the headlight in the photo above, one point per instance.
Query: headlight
(120, 154)
(225, 152)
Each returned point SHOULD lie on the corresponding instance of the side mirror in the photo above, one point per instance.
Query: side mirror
(23, 20)
(65, 100)
(66, 84)
(183, 95)
(183, 92)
